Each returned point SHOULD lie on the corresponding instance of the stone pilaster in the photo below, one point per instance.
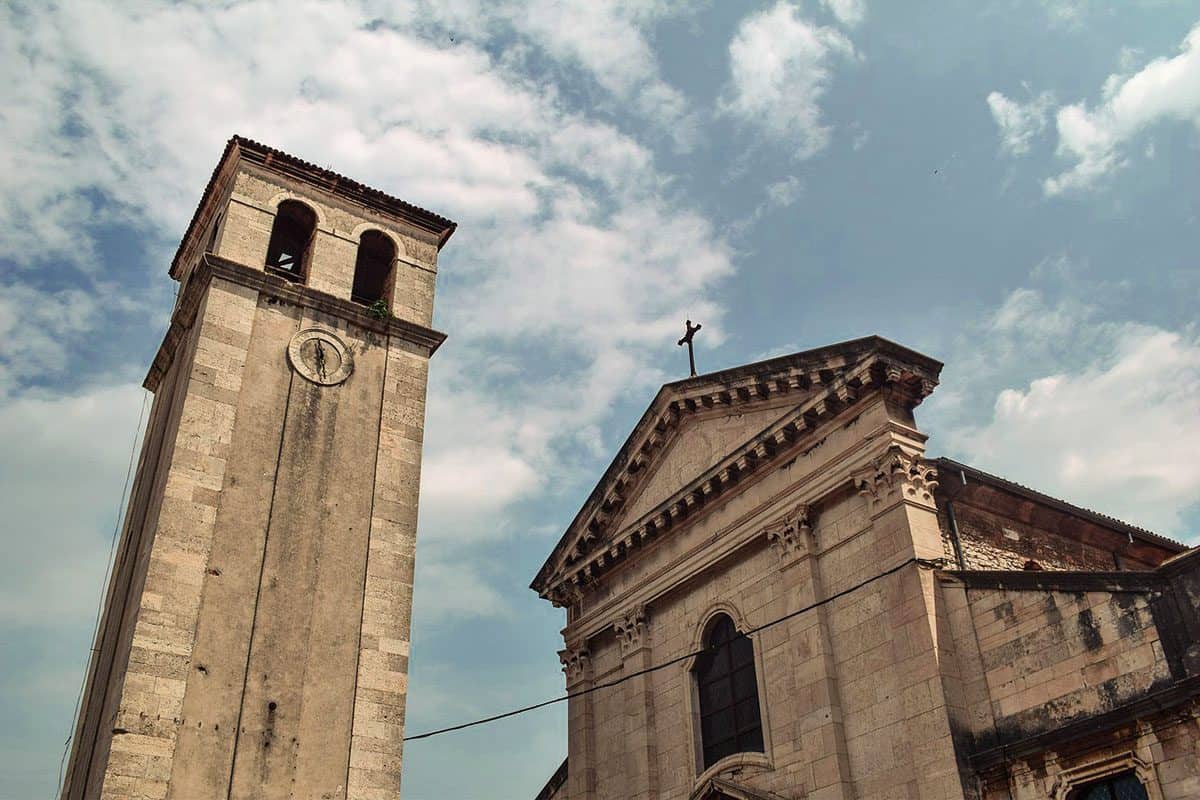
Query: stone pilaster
(581, 727)
(633, 635)
(381, 690)
(822, 734)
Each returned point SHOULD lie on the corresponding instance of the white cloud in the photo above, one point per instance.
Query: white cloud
(1095, 139)
(1119, 434)
(1057, 389)
(570, 251)
(1019, 122)
(60, 499)
(1066, 13)
(781, 67)
(848, 12)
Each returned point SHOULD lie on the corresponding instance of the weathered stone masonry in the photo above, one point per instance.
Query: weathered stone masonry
(254, 642)
(948, 634)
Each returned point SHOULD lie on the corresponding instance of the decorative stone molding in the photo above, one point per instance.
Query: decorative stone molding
(825, 383)
(790, 535)
(1062, 784)
(576, 663)
(631, 630)
(896, 473)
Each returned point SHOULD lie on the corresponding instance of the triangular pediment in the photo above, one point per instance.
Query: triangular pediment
(703, 435)
(699, 444)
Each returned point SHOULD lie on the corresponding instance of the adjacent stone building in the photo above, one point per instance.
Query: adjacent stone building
(773, 592)
(254, 641)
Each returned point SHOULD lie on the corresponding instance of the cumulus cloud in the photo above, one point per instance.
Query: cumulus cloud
(1019, 122)
(60, 499)
(781, 68)
(566, 224)
(847, 12)
(1095, 139)
(1084, 405)
(1119, 434)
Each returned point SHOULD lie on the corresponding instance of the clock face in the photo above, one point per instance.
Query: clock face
(320, 356)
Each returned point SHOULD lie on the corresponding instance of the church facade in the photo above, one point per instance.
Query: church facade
(254, 641)
(773, 592)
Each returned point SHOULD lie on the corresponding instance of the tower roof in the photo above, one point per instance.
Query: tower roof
(326, 180)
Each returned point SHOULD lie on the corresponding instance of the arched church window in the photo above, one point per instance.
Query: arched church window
(373, 269)
(1125, 786)
(730, 721)
(291, 240)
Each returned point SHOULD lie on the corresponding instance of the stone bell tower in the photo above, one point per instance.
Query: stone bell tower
(255, 636)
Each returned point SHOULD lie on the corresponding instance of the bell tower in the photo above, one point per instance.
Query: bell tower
(255, 636)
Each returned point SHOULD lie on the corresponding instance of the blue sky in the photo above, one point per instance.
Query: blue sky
(1009, 186)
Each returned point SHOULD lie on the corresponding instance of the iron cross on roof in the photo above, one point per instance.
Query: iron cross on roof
(687, 339)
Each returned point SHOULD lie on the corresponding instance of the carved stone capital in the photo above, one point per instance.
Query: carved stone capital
(577, 663)
(896, 474)
(790, 536)
(631, 630)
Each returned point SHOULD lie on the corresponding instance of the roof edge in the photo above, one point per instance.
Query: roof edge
(1086, 514)
(864, 345)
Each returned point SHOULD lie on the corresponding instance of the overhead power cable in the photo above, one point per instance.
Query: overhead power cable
(112, 546)
(676, 660)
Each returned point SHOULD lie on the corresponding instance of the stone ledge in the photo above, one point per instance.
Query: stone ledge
(278, 288)
(1165, 699)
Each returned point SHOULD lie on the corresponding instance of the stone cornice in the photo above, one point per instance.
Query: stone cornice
(281, 290)
(748, 530)
(591, 544)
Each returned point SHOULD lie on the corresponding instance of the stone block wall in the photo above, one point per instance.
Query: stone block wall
(269, 559)
(249, 214)
(849, 689)
(1069, 678)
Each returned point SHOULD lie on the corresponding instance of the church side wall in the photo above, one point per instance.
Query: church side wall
(1068, 668)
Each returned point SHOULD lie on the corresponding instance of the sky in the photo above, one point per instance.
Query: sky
(1009, 186)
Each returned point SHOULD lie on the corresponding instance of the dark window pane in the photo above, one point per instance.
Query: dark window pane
(1128, 787)
(718, 725)
(751, 741)
(722, 632)
(744, 684)
(743, 651)
(1120, 787)
(715, 752)
(728, 692)
(716, 695)
(747, 714)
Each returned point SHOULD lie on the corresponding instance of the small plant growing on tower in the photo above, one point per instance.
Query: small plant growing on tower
(379, 310)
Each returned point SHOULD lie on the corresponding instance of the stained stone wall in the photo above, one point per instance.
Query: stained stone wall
(255, 640)
(1065, 677)
(849, 696)
(893, 674)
